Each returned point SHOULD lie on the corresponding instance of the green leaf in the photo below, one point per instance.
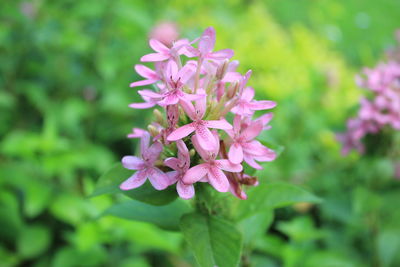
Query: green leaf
(255, 225)
(33, 241)
(274, 195)
(166, 217)
(109, 182)
(214, 241)
(147, 194)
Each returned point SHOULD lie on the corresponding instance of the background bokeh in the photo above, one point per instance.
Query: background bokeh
(64, 74)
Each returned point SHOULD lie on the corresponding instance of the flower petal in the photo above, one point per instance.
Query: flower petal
(261, 105)
(149, 93)
(252, 131)
(228, 166)
(181, 132)
(132, 163)
(157, 178)
(235, 153)
(142, 83)
(185, 191)
(219, 124)
(158, 46)
(172, 177)
(195, 173)
(250, 160)
(134, 181)
(207, 41)
(146, 72)
(154, 57)
(206, 138)
(221, 54)
(172, 163)
(218, 180)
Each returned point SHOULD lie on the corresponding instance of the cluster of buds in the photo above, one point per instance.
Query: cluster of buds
(197, 90)
(380, 110)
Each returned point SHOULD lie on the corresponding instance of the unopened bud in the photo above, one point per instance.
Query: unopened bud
(232, 90)
(192, 152)
(158, 116)
(153, 130)
(221, 70)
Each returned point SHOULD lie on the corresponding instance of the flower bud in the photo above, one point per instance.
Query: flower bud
(232, 90)
(221, 70)
(153, 130)
(158, 116)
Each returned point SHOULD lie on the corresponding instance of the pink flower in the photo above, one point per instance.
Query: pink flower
(212, 167)
(243, 147)
(163, 52)
(199, 125)
(246, 105)
(180, 165)
(206, 46)
(144, 166)
(150, 75)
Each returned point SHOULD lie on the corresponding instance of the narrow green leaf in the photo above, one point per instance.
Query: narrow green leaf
(214, 241)
(274, 195)
(109, 182)
(166, 217)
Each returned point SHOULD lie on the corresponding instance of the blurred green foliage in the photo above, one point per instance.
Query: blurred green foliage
(64, 74)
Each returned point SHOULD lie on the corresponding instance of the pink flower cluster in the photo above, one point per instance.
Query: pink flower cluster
(380, 110)
(198, 90)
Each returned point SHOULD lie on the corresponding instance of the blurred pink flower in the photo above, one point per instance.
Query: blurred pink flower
(166, 32)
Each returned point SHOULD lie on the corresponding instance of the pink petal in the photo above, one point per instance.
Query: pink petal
(157, 178)
(170, 99)
(142, 83)
(136, 133)
(248, 94)
(186, 72)
(172, 163)
(252, 131)
(204, 154)
(158, 46)
(200, 104)
(255, 148)
(192, 97)
(171, 70)
(219, 124)
(195, 173)
(226, 165)
(235, 153)
(205, 138)
(172, 177)
(207, 41)
(250, 160)
(231, 77)
(132, 163)
(218, 180)
(154, 151)
(188, 108)
(146, 72)
(144, 142)
(134, 181)
(143, 105)
(221, 54)
(185, 191)
(181, 132)
(154, 57)
(261, 105)
(266, 118)
(149, 93)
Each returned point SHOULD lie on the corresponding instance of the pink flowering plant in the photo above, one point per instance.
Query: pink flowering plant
(378, 117)
(201, 146)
